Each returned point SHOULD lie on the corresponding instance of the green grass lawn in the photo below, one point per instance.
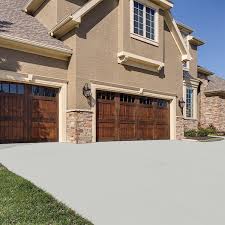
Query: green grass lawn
(22, 203)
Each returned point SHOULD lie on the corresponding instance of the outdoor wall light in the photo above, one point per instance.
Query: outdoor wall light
(87, 91)
(182, 103)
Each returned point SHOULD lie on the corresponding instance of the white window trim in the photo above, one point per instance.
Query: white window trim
(139, 37)
(195, 101)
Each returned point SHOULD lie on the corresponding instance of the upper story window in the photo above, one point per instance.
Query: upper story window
(189, 102)
(143, 21)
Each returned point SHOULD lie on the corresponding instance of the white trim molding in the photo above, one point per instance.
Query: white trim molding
(134, 91)
(24, 45)
(126, 58)
(43, 81)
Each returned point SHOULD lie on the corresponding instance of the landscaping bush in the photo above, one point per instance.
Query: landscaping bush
(211, 129)
(203, 132)
(190, 133)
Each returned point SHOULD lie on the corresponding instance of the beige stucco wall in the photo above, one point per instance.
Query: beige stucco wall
(47, 13)
(53, 11)
(67, 7)
(32, 64)
(97, 45)
(194, 62)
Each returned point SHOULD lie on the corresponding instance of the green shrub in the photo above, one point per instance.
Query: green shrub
(190, 133)
(203, 132)
(211, 129)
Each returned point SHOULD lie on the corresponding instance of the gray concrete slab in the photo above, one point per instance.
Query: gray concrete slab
(129, 183)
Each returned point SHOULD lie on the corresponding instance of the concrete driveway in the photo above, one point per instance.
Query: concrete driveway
(129, 183)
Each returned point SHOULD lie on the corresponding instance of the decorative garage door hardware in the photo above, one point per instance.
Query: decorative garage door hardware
(129, 117)
(29, 113)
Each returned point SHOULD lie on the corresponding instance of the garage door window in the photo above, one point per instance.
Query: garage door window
(11, 88)
(43, 91)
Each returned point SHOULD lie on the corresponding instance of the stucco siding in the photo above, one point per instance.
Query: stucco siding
(194, 61)
(67, 7)
(47, 13)
(97, 45)
(22, 62)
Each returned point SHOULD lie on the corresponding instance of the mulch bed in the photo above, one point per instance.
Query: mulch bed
(205, 139)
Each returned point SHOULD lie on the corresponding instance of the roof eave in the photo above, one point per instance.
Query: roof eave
(24, 45)
(196, 41)
(205, 71)
(185, 28)
(32, 6)
(215, 92)
(165, 4)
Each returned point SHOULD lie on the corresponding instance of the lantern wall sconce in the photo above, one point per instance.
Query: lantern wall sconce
(87, 91)
(182, 103)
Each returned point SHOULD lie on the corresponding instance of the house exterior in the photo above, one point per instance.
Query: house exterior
(85, 71)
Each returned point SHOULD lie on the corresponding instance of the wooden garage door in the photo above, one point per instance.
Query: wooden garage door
(28, 113)
(127, 117)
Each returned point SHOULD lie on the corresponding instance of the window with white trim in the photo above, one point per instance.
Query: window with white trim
(189, 102)
(144, 21)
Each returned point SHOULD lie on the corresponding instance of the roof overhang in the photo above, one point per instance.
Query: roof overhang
(126, 58)
(196, 41)
(74, 20)
(191, 81)
(32, 6)
(15, 43)
(215, 93)
(184, 28)
(205, 71)
(171, 23)
(165, 4)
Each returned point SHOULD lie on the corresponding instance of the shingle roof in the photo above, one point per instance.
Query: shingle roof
(16, 23)
(216, 84)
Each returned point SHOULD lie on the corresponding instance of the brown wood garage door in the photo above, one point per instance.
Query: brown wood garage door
(127, 117)
(28, 113)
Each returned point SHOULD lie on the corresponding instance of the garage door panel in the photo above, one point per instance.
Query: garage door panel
(22, 107)
(106, 131)
(132, 118)
(43, 132)
(127, 112)
(127, 131)
(145, 131)
(161, 132)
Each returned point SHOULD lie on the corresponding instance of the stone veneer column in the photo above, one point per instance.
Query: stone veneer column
(190, 124)
(79, 126)
(179, 128)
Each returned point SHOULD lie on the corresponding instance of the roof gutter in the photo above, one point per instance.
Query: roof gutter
(20, 44)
